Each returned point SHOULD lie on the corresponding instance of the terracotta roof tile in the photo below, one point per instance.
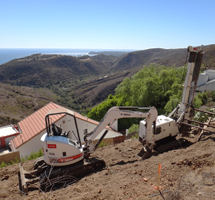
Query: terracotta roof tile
(79, 116)
(34, 124)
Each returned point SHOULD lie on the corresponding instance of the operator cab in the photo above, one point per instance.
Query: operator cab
(57, 131)
(61, 148)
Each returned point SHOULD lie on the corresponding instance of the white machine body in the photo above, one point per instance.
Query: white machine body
(60, 150)
(165, 127)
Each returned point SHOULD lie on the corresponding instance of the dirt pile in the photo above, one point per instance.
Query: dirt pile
(187, 173)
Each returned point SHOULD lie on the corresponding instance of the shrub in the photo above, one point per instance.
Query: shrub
(103, 144)
(134, 136)
(3, 164)
(34, 155)
(202, 117)
(16, 160)
(213, 95)
(133, 128)
(11, 162)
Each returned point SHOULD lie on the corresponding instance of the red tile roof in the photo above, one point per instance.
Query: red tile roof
(34, 124)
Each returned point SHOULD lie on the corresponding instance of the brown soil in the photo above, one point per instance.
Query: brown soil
(187, 173)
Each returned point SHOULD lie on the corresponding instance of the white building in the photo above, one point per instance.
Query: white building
(33, 127)
(6, 134)
(206, 81)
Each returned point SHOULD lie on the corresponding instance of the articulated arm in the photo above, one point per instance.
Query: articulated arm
(115, 113)
(193, 69)
(191, 79)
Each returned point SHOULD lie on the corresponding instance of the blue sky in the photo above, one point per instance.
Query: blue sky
(106, 24)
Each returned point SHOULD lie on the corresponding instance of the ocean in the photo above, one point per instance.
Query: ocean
(10, 54)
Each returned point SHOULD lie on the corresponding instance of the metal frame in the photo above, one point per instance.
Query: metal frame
(61, 112)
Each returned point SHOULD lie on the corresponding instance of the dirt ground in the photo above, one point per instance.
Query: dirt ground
(186, 173)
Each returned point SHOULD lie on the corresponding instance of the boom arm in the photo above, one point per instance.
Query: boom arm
(193, 68)
(115, 113)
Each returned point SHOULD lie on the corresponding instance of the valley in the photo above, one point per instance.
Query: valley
(78, 83)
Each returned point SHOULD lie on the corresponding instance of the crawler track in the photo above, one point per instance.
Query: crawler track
(49, 175)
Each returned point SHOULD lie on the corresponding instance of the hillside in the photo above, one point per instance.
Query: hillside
(83, 82)
(44, 70)
(186, 173)
(95, 91)
(208, 61)
(16, 103)
(209, 57)
(108, 53)
(145, 57)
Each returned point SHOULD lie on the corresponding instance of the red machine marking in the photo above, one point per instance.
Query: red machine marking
(61, 160)
(52, 146)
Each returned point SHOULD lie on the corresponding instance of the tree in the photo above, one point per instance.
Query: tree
(153, 85)
(124, 89)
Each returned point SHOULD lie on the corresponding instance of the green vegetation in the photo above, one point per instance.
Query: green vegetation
(133, 137)
(133, 128)
(202, 117)
(7, 120)
(34, 155)
(154, 85)
(103, 144)
(3, 164)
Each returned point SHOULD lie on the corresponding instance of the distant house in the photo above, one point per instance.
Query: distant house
(33, 127)
(6, 134)
(206, 81)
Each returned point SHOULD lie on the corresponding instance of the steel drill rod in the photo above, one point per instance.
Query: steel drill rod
(211, 113)
(182, 114)
(197, 127)
(200, 123)
(173, 111)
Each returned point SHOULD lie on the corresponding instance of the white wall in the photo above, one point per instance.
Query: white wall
(203, 78)
(209, 86)
(30, 146)
(211, 74)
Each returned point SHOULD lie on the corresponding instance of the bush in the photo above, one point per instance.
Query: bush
(212, 94)
(197, 102)
(203, 117)
(3, 164)
(11, 162)
(134, 136)
(16, 160)
(133, 128)
(103, 144)
(157, 86)
(34, 155)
